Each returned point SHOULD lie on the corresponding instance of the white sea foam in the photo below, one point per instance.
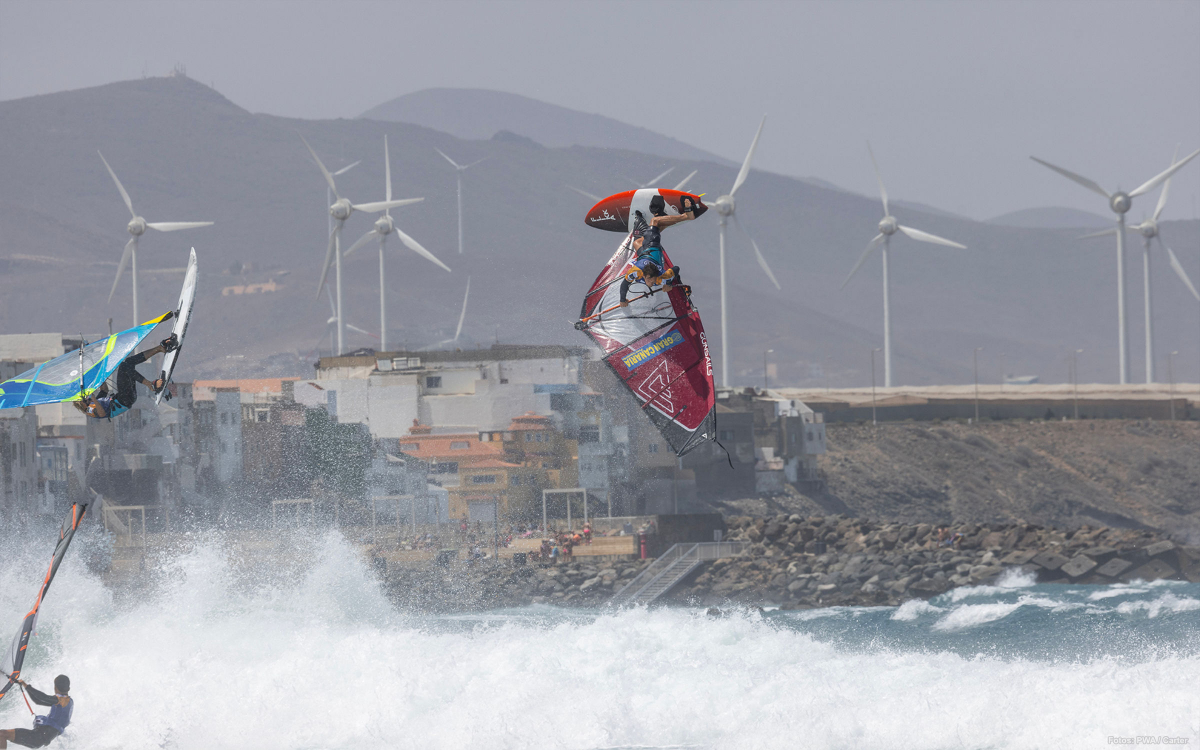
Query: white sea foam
(1167, 602)
(1010, 579)
(914, 609)
(969, 615)
(319, 660)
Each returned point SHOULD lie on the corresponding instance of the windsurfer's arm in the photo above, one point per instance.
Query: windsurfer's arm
(624, 292)
(38, 697)
(662, 222)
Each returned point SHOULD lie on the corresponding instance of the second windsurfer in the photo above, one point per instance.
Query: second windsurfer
(105, 405)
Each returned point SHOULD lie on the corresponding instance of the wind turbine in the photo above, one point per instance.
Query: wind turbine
(461, 317)
(340, 210)
(137, 227)
(384, 226)
(1120, 202)
(1149, 230)
(887, 227)
(652, 182)
(459, 169)
(726, 207)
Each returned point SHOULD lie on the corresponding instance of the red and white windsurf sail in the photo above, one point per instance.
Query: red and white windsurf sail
(658, 349)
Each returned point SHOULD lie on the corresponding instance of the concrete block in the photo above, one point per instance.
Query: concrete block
(1049, 560)
(1078, 566)
(1018, 557)
(1160, 548)
(1114, 567)
(1151, 571)
(1100, 554)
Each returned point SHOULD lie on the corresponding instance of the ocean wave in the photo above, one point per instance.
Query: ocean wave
(914, 609)
(1009, 580)
(970, 615)
(1166, 603)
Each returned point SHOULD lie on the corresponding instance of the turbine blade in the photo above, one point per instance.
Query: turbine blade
(324, 171)
(1162, 197)
(347, 168)
(1178, 268)
(585, 194)
(447, 158)
(874, 243)
(356, 329)
(124, 195)
(415, 246)
(749, 157)
(463, 315)
(332, 308)
(383, 205)
(1101, 233)
(121, 266)
(387, 170)
(683, 183)
(879, 179)
(1074, 177)
(477, 161)
(917, 234)
(174, 226)
(762, 262)
(360, 242)
(1157, 179)
(656, 179)
(329, 256)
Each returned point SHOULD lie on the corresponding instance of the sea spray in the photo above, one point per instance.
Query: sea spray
(225, 653)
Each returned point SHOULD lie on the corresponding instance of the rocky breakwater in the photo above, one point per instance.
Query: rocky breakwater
(496, 584)
(815, 561)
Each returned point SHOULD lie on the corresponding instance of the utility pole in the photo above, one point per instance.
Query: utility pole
(975, 363)
(766, 382)
(1075, 380)
(1171, 378)
(874, 422)
(1003, 370)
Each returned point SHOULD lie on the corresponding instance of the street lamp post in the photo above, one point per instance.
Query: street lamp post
(1003, 370)
(766, 383)
(975, 364)
(873, 420)
(1171, 378)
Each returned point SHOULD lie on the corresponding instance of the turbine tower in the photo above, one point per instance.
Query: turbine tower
(726, 207)
(1120, 202)
(458, 173)
(340, 210)
(384, 226)
(887, 227)
(137, 227)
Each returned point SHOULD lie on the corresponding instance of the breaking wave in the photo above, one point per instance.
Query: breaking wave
(229, 653)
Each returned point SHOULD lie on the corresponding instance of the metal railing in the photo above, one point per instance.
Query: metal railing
(670, 568)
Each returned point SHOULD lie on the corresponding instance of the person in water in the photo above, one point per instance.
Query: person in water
(105, 405)
(45, 728)
(649, 266)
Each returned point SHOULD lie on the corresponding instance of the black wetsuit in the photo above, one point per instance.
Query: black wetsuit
(45, 728)
(127, 380)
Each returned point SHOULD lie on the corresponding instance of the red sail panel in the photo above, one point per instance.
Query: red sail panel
(657, 347)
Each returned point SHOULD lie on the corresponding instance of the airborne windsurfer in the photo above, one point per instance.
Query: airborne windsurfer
(648, 266)
(48, 727)
(105, 405)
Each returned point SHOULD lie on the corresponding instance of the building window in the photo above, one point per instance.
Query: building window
(410, 446)
(589, 434)
(514, 480)
(261, 415)
(560, 402)
(433, 381)
(445, 467)
(724, 434)
(653, 448)
(223, 415)
(460, 445)
(483, 479)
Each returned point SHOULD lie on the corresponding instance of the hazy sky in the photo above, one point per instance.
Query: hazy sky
(954, 96)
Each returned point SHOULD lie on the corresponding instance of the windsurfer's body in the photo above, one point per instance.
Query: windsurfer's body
(648, 265)
(105, 405)
(45, 728)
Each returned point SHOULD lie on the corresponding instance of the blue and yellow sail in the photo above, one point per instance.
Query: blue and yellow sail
(71, 377)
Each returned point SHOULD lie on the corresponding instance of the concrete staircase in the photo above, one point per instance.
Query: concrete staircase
(670, 568)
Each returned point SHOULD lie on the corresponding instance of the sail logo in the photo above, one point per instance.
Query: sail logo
(648, 352)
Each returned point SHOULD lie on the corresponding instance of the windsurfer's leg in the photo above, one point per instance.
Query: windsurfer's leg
(127, 378)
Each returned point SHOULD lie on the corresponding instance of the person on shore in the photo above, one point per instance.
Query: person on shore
(45, 728)
(587, 533)
(105, 405)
